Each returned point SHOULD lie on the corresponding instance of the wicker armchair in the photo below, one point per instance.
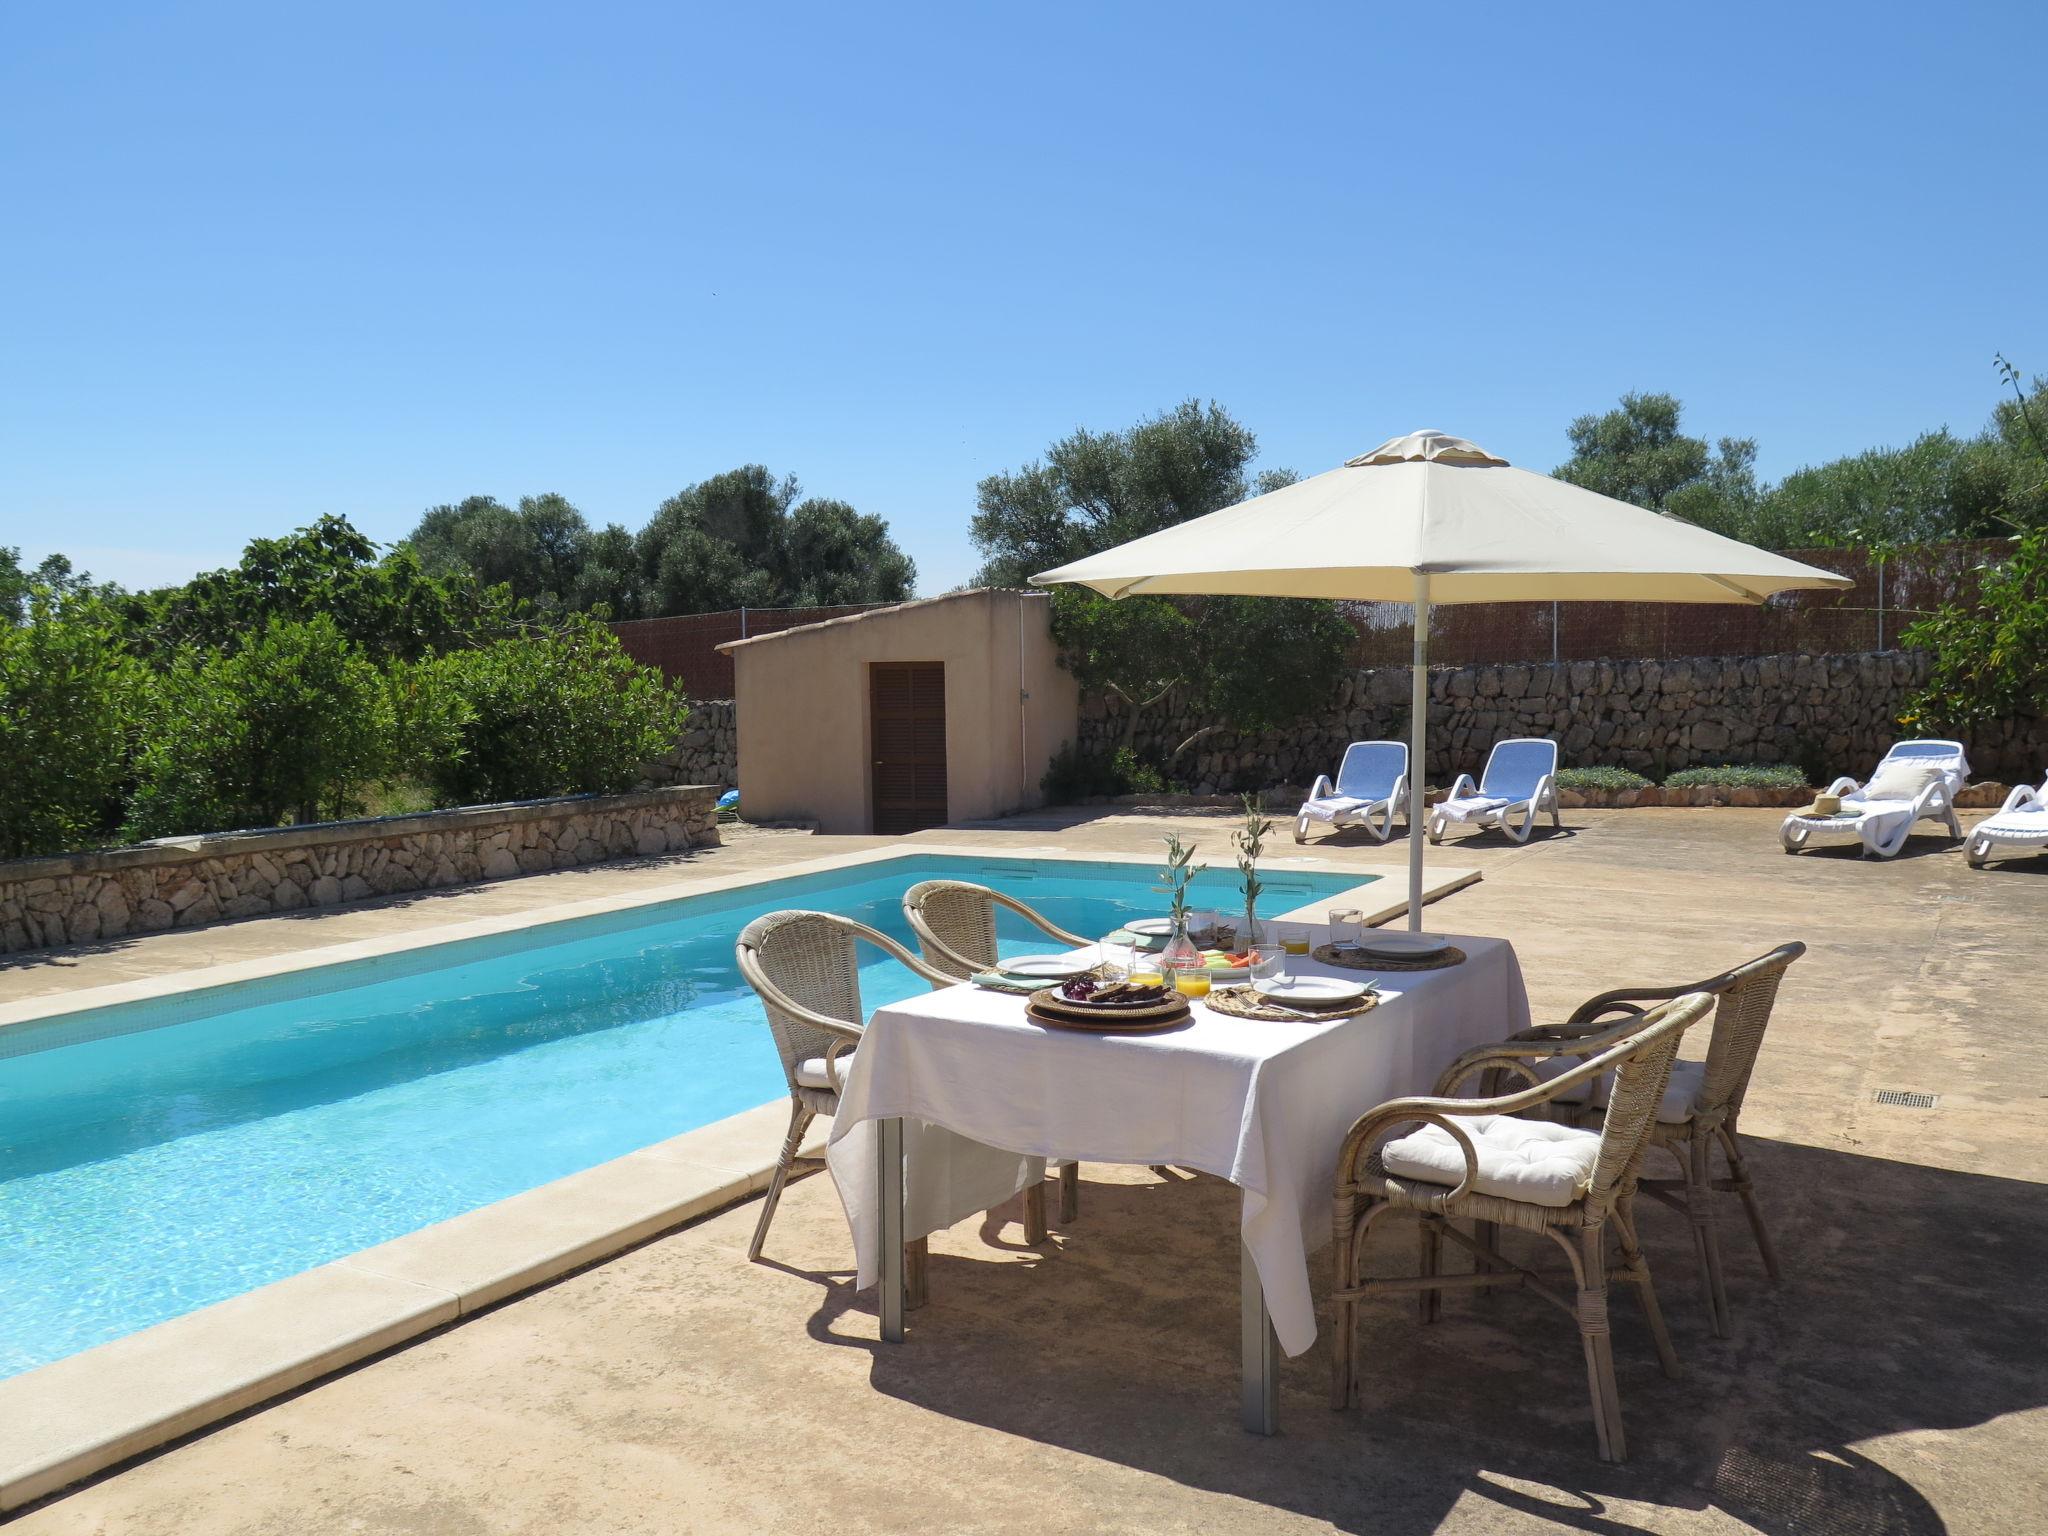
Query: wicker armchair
(805, 967)
(1570, 1190)
(1701, 1107)
(955, 924)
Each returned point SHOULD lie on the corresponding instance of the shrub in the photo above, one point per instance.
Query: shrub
(1600, 777)
(67, 692)
(1990, 660)
(1739, 776)
(295, 721)
(550, 712)
(1071, 778)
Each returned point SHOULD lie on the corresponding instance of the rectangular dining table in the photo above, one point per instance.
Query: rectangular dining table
(967, 1093)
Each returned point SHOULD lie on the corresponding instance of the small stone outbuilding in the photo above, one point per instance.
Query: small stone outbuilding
(942, 710)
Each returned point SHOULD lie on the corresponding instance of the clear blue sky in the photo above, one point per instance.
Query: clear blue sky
(262, 262)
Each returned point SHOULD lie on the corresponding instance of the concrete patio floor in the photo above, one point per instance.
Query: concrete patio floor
(1896, 1382)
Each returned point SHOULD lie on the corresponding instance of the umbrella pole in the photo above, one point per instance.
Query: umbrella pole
(1418, 755)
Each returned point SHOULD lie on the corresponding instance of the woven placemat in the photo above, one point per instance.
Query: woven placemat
(1244, 1003)
(1329, 954)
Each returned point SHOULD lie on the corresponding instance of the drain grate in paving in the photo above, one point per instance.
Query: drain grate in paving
(1905, 1098)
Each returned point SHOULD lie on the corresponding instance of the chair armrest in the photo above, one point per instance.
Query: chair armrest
(1322, 789)
(2021, 795)
(1460, 786)
(1625, 997)
(1518, 1050)
(1043, 924)
(1842, 786)
(1546, 792)
(888, 946)
(1399, 798)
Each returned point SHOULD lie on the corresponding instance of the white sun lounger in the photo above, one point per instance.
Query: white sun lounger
(1371, 788)
(1882, 822)
(1520, 781)
(2021, 826)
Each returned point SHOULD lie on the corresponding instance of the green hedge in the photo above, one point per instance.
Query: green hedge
(1739, 776)
(1600, 777)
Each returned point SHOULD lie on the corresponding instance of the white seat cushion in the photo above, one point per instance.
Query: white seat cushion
(1675, 1108)
(1467, 807)
(1534, 1161)
(810, 1073)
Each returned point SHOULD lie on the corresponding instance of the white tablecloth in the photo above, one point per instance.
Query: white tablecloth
(1264, 1105)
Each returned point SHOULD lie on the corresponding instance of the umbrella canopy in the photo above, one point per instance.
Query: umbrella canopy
(1483, 531)
(1430, 518)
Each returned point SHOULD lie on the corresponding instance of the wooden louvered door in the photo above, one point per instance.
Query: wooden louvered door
(907, 718)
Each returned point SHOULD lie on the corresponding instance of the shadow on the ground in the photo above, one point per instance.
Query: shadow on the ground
(1921, 845)
(1911, 1302)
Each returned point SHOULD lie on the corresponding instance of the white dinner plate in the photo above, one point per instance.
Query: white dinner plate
(1308, 989)
(1404, 946)
(1151, 927)
(1046, 967)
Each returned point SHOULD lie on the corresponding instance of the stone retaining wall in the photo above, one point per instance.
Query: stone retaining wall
(184, 882)
(1831, 714)
(707, 753)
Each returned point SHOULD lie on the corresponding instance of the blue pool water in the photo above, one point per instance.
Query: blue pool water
(158, 1157)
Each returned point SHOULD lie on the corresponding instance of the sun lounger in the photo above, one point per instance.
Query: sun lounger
(1519, 782)
(1916, 781)
(1371, 787)
(2020, 826)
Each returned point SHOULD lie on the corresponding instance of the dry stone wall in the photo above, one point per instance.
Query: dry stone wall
(708, 752)
(184, 882)
(1833, 714)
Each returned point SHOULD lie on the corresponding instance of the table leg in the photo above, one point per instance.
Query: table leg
(1261, 1350)
(889, 1186)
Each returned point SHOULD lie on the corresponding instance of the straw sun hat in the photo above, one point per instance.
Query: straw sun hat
(1823, 805)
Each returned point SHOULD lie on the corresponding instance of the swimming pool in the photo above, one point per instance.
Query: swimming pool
(157, 1157)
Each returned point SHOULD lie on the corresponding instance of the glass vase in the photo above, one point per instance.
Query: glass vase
(1181, 952)
(1252, 933)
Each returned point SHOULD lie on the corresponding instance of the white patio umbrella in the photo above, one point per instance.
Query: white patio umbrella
(1429, 518)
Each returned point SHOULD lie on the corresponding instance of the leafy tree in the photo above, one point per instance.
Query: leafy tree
(558, 710)
(610, 578)
(543, 551)
(1885, 496)
(1098, 489)
(67, 693)
(687, 566)
(1258, 662)
(833, 554)
(1990, 661)
(1939, 486)
(388, 608)
(743, 539)
(1637, 453)
(53, 577)
(294, 720)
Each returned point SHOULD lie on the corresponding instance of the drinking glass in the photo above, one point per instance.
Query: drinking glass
(1146, 970)
(1267, 961)
(1293, 939)
(1202, 926)
(1117, 960)
(1347, 927)
(1191, 981)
